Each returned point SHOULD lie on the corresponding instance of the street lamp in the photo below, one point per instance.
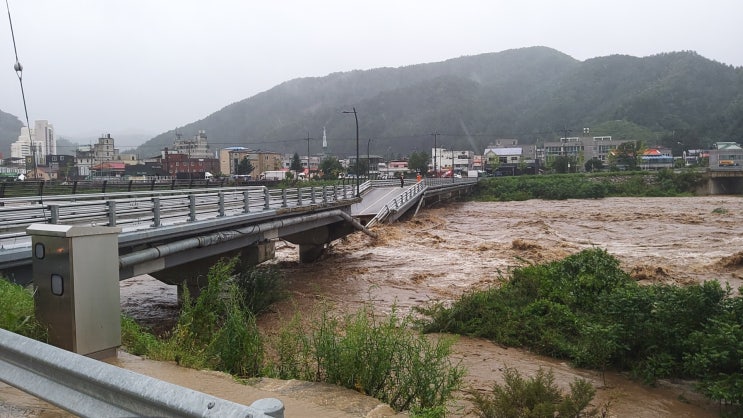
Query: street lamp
(308, 156)
(355, 116)
(435, 154)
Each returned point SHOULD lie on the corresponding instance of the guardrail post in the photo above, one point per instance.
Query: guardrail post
(299, 196)
(266, 199)
(155, 212)
(283, 198)
(111, 207)
(55, 214)
(246, 201)
(269, 406)
(221, 204)
(41, 191)
(312, 195)
(192, 208)
(325, 194)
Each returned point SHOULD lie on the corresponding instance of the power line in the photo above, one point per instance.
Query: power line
(19, 72)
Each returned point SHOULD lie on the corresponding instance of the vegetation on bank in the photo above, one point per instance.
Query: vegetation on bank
(17, 311)
(380, 358)
(537, 396)
(584, 308)
(590, 185)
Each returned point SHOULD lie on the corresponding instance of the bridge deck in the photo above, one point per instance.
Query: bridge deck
(375, 199)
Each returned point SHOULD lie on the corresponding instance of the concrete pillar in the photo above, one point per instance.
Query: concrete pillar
(310, 252)
(193, 274)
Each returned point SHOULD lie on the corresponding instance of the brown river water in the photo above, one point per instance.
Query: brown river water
(449, 249)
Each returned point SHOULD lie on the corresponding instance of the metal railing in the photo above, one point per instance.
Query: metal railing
(413, 193)
(155, 209)
(92, 388)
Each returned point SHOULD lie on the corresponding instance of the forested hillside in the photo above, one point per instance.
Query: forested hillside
(679, 99)
(10, 129)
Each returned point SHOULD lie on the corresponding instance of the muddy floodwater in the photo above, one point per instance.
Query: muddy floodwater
(447, 250)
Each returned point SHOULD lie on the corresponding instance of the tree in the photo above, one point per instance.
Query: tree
(331, 167)
(627, 155)
(594, 164)
(564, 164)
(418, 161)
(296, 165)
(245, 167)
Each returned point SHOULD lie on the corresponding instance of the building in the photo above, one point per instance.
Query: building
(61, 166)
(196, 147)
(37, 142)
(89, 156)
(656, 158)
(230, 158)
(184, 167)
(726, 156)
(581, 149)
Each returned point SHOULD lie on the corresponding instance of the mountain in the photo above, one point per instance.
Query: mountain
(678, 99)
(10, 129)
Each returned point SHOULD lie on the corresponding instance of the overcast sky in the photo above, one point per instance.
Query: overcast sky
(148, 66)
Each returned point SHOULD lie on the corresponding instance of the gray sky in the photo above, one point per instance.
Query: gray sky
(147, 66)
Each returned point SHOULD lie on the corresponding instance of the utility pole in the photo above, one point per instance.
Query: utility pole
(368, 160)
(355, 116)
(309, 172)
(435, 153)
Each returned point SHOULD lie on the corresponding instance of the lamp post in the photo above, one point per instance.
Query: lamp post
(355, 116)
(368, 159)
(435, 154)
(309, 172)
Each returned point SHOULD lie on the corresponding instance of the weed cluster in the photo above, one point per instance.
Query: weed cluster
(586, 309)
(17, 311)
(380, 358)
(537, 396)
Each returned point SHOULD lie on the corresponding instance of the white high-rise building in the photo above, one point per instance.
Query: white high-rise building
(38, 142)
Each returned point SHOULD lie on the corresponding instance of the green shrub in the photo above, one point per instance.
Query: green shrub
(585, 309)
(380, 358)
(259, 287)
(535, 397)
(589, 185)
(17, 311)
(136, 340)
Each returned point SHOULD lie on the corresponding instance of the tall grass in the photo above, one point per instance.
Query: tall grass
(383, 358)
(17, 311)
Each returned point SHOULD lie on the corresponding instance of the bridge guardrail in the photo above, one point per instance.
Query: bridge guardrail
(412, 193)
(156, 210)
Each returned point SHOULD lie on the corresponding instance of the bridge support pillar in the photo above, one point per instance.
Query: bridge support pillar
(193, 274)
(310, 252)
(76, 272)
